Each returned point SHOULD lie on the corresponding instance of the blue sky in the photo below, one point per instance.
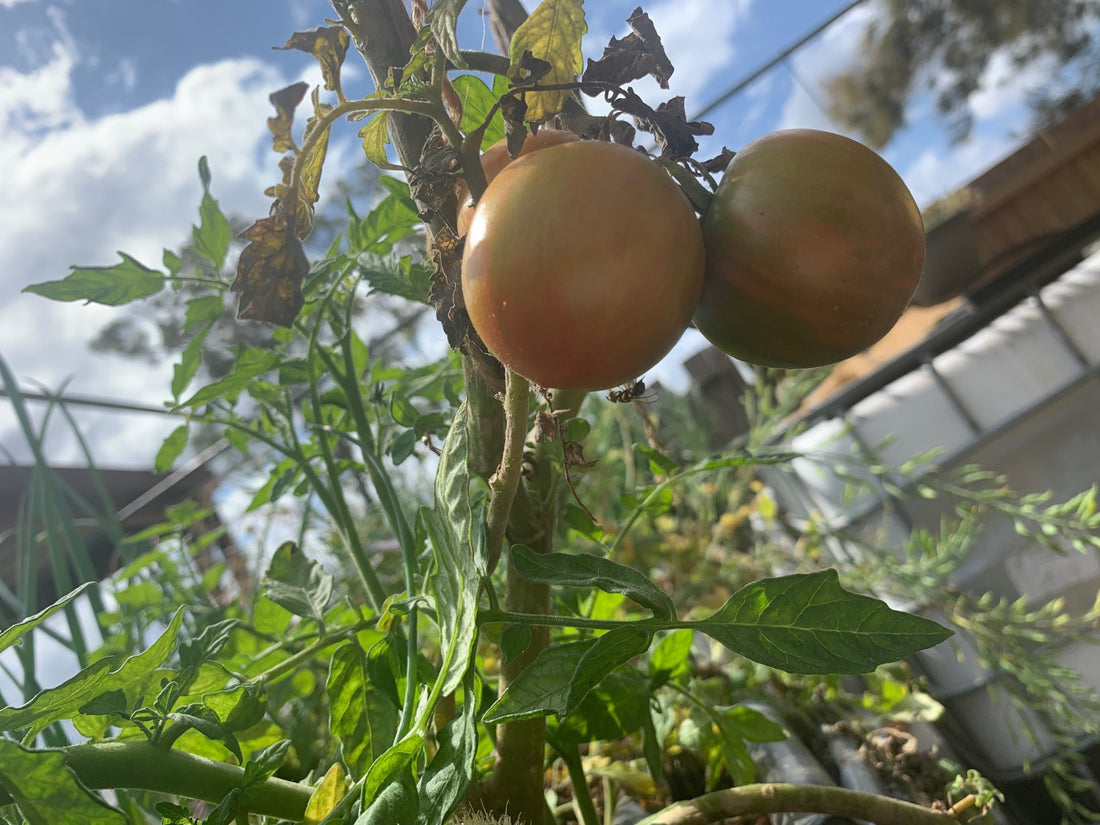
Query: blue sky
(106, 106)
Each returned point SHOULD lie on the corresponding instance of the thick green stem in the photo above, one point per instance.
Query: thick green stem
(144, 766)
(582, 797)
(770, 798)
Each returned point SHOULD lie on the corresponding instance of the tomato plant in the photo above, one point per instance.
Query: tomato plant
(496, 157)
(814, 247)
(583, 265)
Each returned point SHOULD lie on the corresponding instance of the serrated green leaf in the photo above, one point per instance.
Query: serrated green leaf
(112, 286)
(477, 101)
(171, 262)
(206, 722)
(211, 238)
(375, 134)
(443, 19)
(448, 776)
(300, 585)
(13, 634)
(807, 623)
(263, 763)
(617, 707)
(614, 648)
(240, 707)
(552, 32)
(515, 639)
(190, 360)
(361, 716)
(234, 383)
(134, 676)
(659, 463)
(582, 570)
(47, 792)
(671, 656)
(542, 687)
(389, 792)
(171, 448)
(203, 310)
(405, 280)
(458, 552)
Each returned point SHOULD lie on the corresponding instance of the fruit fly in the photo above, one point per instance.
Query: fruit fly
(628, 393)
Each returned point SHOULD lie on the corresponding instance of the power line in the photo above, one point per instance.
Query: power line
(86, 401)
(771, 64)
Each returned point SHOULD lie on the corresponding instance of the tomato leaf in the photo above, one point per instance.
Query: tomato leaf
(551, 33)
(13, 634)
(233, 384)
(583, 570)
(448, 776)
(111, 286)
(47, 792)
(329, 44)
(477, 101)
(458, 547)
(134, 677)
(443, 19)
(270, 271)
(285, 101)
(361, 716)
(300, 585)
(638, 54)
(807, 623)
(211, 237)
(389, 792)
(561, 676)
(171, 448)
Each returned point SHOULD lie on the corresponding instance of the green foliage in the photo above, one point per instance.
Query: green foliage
(386, 650)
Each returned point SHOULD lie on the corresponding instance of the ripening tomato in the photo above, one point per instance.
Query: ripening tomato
(814, 247)
(496, 157)
(582, 266)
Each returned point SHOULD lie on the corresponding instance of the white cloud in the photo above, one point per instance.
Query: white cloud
(937, 172)
(698, 36)
(7, 4)
(77, 190)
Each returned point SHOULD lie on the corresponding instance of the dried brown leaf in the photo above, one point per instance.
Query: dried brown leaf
(271, 270)
(329, 44)
(285, 101)
(638, 54)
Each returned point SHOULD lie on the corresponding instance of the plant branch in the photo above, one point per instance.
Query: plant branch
(144, 766)
(505, 481)
(769, 798)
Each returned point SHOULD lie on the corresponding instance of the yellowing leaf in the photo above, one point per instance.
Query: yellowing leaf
(326, 796)
(376, 134)
(552, 33)
(329, 44)
(285, 102)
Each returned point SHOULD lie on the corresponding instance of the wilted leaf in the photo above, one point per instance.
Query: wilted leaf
(638, 54)
(270, 272)
(285, 101)
(329, 44)
(112, 286)
(671, 129)
(807, 623)
(552, 33)
(310, 163)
